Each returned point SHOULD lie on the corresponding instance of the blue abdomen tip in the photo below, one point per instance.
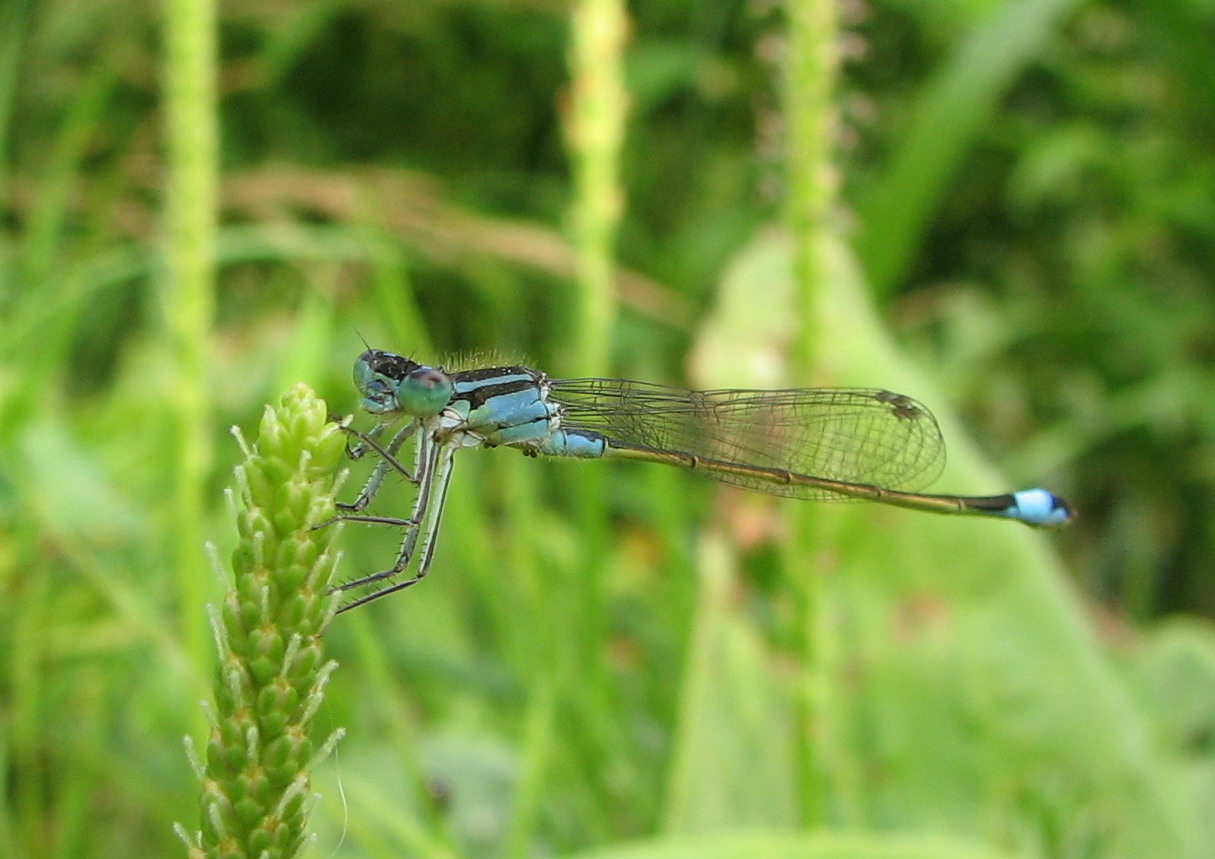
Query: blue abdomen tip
(1039, 507)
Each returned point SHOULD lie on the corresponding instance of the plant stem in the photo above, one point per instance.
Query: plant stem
(810, 73)
(191, 178)
(595, 133)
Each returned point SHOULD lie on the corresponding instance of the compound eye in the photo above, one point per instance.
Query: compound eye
(424, 392)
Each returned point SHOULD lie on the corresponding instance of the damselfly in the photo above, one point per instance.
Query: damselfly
(827, 444)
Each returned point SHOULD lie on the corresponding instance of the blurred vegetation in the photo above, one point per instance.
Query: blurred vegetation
(611, 660)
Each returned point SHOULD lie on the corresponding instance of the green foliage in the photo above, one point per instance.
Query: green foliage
(618, 660)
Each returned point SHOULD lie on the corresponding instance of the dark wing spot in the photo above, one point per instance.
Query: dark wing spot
(902, 407)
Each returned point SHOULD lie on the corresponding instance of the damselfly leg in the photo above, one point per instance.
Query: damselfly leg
(433, 464)
(387, 461)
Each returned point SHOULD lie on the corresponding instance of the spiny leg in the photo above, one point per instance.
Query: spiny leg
(442, 475)
(361, 445)
(428, 455)
(438, 469)
(387, 459)
(438, 505)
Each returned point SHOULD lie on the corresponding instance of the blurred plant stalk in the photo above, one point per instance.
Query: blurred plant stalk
(811, 65)
(191, 141)
(595, 123)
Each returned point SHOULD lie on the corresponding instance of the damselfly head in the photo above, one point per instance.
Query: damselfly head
(390, 383)
(377, 375)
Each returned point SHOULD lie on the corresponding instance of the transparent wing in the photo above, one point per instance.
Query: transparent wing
(855, 435)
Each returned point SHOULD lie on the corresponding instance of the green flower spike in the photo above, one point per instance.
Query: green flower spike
(272, 672)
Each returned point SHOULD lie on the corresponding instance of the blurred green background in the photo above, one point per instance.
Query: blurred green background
(607, 659)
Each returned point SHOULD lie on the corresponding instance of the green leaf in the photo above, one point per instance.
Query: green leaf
(950, 112)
